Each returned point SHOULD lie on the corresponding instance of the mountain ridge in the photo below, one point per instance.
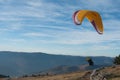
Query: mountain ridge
(20, 63)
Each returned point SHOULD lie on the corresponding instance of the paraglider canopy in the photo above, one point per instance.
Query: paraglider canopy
(93, 16)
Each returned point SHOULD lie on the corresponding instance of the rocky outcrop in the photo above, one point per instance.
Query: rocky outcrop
(97, 75)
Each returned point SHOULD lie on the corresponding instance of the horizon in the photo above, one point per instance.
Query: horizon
(47, 26)
(19, 52)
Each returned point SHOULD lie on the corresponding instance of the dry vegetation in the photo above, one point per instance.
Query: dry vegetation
(112, 73)
(71, 76)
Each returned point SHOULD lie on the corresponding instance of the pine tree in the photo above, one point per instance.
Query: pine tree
(117, 60)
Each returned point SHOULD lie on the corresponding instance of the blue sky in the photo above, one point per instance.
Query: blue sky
(47, 26)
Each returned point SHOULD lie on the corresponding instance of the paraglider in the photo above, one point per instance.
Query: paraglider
(90, 61)
(93, 16)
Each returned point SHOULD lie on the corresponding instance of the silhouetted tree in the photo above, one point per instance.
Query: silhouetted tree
(117, 60)
(4, 76)
(90, 61)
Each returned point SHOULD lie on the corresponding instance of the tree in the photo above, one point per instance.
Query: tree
(4, 76)
(90, 61)
(117, 60)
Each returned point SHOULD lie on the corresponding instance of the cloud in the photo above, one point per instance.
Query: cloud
(74, 37)
(101, 5)
(16, 40)
(4, 1)
(112, 25)
(30, 12)
(36, 34)
(50, 23)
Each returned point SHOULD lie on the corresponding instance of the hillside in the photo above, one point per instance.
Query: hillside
(21, 63)
(110, 73)
(68, 69)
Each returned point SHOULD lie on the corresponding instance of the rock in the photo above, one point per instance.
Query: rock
(97, 75)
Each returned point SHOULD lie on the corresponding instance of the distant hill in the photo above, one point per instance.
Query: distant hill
(20, 63)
